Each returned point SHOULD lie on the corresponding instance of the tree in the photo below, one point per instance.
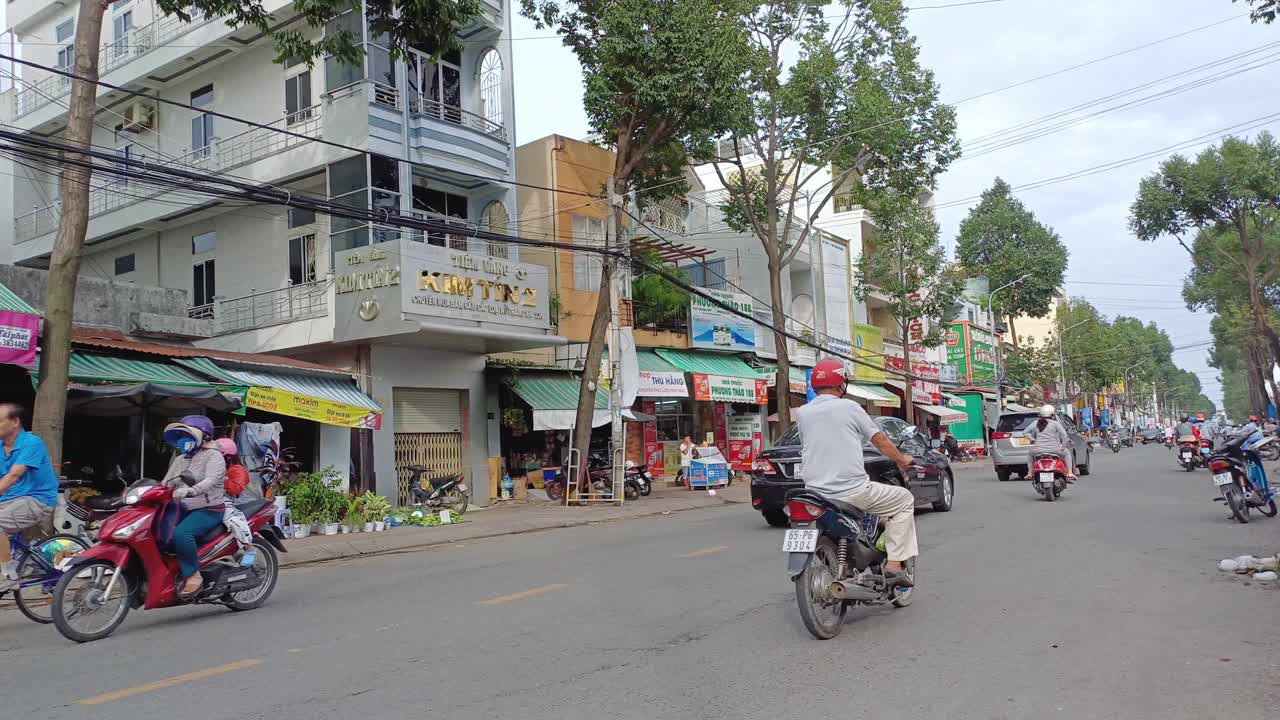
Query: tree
(849, 98)
(1233, 188)
(1031, 368)
(1002, 239)
(1263, 10)
(655, 298)
(424, 23)
(910, 268)
(661, 80)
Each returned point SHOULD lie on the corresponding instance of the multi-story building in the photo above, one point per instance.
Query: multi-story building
(413, 313)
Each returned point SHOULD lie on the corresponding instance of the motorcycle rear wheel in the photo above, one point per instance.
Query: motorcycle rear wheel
(457, 501)
(1050, 492)
(1269, 509)
(630, 490)
(256, 597)
(555, 490)
(822, 614)
(65, 608)
(646, 488)
(1239, 508)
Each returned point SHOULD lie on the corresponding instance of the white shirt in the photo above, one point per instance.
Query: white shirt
(832, 433)
(686, 454)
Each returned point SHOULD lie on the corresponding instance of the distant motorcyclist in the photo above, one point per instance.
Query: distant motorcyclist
(1187, 431)
(1052, 439)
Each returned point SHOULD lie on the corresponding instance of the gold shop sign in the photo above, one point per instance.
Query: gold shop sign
(367, 278)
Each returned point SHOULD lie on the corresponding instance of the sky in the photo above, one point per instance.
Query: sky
(975, 49)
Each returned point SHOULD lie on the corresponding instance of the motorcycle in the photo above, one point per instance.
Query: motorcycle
(441, 492)
(600, 477)
(1240, 478)
(1114, 443)
(640, 474)
(1187, 452)
(835, 559)
(126, 569)
(84, 517)
(1049, 476)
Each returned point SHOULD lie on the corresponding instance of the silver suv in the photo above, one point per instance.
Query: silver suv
(1011, 444)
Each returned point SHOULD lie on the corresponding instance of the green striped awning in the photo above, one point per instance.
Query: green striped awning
(9, 301)
(334, 388)
(650, 361)
(92, 369)
(552, 391)
(708, 363)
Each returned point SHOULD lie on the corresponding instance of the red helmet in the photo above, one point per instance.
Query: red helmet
(1253, 418)
(828, 374)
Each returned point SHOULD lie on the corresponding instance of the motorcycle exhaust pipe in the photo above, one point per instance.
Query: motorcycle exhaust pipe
(849, 590)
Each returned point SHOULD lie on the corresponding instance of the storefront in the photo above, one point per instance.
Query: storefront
(729, 404)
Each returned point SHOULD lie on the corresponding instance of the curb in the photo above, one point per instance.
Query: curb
(428, 542)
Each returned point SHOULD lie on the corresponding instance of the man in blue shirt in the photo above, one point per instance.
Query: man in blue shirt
(28, 485)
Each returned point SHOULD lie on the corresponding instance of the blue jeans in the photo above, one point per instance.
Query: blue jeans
(192, 526)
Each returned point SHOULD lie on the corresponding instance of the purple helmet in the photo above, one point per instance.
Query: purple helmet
(201, 423)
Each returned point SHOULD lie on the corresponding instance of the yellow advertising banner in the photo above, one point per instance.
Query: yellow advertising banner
(868, 346)
(306, 407)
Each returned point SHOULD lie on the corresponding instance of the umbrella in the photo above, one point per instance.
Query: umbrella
(128, 400)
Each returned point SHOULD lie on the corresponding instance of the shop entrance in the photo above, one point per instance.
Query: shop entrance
(428, 431)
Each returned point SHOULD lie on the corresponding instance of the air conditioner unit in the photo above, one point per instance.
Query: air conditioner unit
(138, 117)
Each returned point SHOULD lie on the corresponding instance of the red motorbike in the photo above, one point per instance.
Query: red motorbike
(1049, 476)
(127, 569)
(1188, 454)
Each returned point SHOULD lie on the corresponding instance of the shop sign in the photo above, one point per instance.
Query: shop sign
(452, 283)
(372, 269)
(714, 328)
(927, 377)
(283, 402)
(746, 437)
(18, 333)
(770, 376)
(662, 384)
(972, 352)
(720, 388)
(868, 346)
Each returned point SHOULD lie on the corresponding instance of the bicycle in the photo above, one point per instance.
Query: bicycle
(40, 567)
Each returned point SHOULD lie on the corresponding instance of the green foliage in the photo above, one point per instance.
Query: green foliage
(1029, 366)
(1217, 265)
(1002, 239)
(316, 497)
(422, 518)
(430, 25)
(909, 266)
(657, 299)
(1264, 11)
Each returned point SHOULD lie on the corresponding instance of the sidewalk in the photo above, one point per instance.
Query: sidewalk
(504, 520)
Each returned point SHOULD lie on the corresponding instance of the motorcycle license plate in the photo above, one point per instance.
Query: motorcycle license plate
(1046, 478)
(1186, 455)
(462, 487)
(800, 540)
(798, 471)
(1221, 479)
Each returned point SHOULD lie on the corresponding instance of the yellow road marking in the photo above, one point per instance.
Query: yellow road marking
(170, 682)
(704, 551)
(523, 594)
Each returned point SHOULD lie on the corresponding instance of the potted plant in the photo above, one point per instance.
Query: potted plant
(354, 519)
(376, 509)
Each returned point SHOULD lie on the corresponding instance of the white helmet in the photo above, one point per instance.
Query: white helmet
(1047, 411)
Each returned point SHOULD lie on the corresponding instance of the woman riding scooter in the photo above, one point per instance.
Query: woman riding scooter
(1052, 439)
(202, 503)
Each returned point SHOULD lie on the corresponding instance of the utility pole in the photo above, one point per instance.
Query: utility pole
(1062, 360)
(617, 439)
(999, 345)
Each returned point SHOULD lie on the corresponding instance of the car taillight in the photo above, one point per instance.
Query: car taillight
(1220, 466)
(801, 511)
(763, 466)
(1001, 435)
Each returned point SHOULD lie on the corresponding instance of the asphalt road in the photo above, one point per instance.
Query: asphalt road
(1106, 604)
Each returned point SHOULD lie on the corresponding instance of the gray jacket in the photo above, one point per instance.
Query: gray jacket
(1053, 439)
(210, 470)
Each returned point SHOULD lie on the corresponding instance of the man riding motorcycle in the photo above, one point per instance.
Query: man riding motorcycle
(1188, 432)
(833, 430)
(1052, 439)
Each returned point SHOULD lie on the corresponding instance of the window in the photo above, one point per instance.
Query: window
(586, 266)
(708, 274)
(302, 259)
(126, 153)
(338, 74)
(491, 87)
(349, 185)
(65, 34)
(121, 24)
(438, 202)
(202, 124)
(384, 176)
(301, 216)
(438, 84)
(204, 243)
(297, 97)
(124, 264)
(495, 220)
(202, 283)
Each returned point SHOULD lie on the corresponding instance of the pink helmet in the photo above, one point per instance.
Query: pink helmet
(226, 446)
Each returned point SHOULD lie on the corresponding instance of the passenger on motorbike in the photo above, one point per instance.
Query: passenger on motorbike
(833, 430)
(1187, 431)
(202, 503)
(1052, 439)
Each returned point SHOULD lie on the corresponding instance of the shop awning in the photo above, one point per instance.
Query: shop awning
(332, 399)
(708, 363)
(554, 399)
(875, 394)
(945, 415)
(13, 303)
(650, 361)
(91, 369)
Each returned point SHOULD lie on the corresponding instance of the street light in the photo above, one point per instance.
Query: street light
(1062, 361)
(991, 316)
(1128, 391)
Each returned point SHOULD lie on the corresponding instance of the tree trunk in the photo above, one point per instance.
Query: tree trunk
(907, 407)
(64, 265)
(782, 384)
(1013, 333)
(587, 384)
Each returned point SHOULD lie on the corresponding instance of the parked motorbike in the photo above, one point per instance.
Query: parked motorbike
(600, 476)
(1188, 455)
(1049, 476)
(440, 492)
(640, 474)
(835, 561)
(1240, 478)
(84, 517)
(127, 569)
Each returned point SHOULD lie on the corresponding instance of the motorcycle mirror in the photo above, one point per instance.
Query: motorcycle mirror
(911, 430)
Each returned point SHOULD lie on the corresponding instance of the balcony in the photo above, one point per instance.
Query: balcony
(423, 106)
(448, 136)
(219, 157)
(668, 215)
(270, 307)
(114, 55)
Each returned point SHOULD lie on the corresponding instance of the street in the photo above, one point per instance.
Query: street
(1106, 604)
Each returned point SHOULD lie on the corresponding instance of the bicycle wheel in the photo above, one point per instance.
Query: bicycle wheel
(36, 600)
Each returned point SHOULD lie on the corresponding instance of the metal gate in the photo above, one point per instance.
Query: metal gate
(442, 452)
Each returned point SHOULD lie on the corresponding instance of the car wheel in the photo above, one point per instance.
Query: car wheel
(1003, 474)
(946, 494)
(1084, 469)
(776, 518)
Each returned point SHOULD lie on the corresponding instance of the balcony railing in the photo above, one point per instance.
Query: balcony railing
(670, 215)
(429, 107)
(218, 156)
(648, 317)
(115, 54)
(273, 307)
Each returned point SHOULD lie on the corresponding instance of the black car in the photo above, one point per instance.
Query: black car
(1151, 435)
(774, 472)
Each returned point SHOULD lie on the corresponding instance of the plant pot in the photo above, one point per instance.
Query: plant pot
(368, 527)
(301, 531)
(329, 529)
(344, 529)
(379, 526)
